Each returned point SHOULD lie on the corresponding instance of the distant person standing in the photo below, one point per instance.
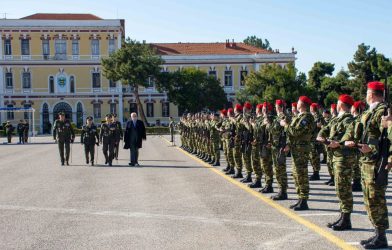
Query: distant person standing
(20, 130)
(64, 135)
(9, 129)
(26, 131)
(172, 126)
(135, 132)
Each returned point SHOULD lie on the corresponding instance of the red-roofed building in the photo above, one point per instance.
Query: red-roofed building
(52, 62)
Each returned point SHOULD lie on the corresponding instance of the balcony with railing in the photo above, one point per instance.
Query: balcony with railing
(56, 57)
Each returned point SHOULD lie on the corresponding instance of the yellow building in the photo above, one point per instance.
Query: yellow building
(51, 62)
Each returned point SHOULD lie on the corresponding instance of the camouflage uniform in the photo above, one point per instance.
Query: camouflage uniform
(374, 195)
(237, 143)
(315, 152)
(257, 127)
(300, 134)
(215, 138)
(266, 154)
(246, 147)
(343, 159)
(278, 142)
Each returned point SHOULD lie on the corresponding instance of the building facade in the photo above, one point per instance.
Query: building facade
(52, 63)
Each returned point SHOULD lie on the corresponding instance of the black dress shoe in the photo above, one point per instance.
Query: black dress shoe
(67, 163)
(131, 164)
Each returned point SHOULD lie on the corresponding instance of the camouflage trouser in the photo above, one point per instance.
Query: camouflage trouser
(266, 164)
(225, 149)
(256, 165)
(356, 168)
(329, 162)
(314, 158)
(300, 172)
(230, 154)
(247, 161)
(237, 157)
(215, 149)
(279, 169)
(374, 198)
(343, 175)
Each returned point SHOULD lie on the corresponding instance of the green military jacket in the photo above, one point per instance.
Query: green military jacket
(368, 131)
(335, 131)
(300, 131)
(63, 131)
(276, 131)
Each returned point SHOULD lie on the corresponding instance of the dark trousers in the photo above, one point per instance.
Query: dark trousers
(21, 139)
(116, 149)
(134, 153)
(9, 137)
(108, 151)
(63, 145)
(89, 149)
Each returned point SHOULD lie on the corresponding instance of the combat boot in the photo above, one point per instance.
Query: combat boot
(237, 175)
(227, 169)
(280, 196)
(343, 224)
(256, 184)
(315, 176)
(67, 163)
(331, 224)
(294, 205)
(230, 172)
(363, 242)
(216, 164)
(92, 163)
(357, 186)
(247, 179)
(329, 181)
(62, 163)
(267, 189)
(379, 241)
(303, 205)
(332, 183)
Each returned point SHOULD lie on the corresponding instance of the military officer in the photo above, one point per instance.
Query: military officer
(107, 138)
(64, 135)
(278, 143)
(229, 135)
(266, 153)
(89, 138)
(246, 142)
(343, 159)
(237, 141)
(374, 194)
(257, 130)
(294, 110)
(300, 134)
(20, 130)
(119, 135)
(9, 129)
(315, 153)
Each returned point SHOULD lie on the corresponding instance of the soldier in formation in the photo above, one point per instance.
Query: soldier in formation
(89, 138)
(63, 135)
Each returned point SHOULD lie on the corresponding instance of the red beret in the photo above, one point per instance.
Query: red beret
(294, 104)
(305, 99)
(230, 110)
(376, 86)
(238, 107)
(333, 106)
(247, 105)
(280, 102)
(259, 106)
(268, 106)
(314, 105)
(223, 112)
(359, 105)
(346, 99)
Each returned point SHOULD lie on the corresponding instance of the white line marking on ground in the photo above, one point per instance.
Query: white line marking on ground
(197, 219)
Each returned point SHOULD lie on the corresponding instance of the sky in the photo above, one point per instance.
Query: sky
(327, 31)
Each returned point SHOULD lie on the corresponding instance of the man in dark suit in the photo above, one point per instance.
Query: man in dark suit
(135, 132)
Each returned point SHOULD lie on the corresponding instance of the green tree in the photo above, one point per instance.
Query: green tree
(258, 42)
(192, 89)
(133, 64)
(273, 82)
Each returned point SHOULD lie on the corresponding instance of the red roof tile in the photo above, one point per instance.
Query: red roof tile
(62, 16)
(207, 49)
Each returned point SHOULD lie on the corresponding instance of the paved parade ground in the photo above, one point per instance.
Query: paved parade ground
(173, 201)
